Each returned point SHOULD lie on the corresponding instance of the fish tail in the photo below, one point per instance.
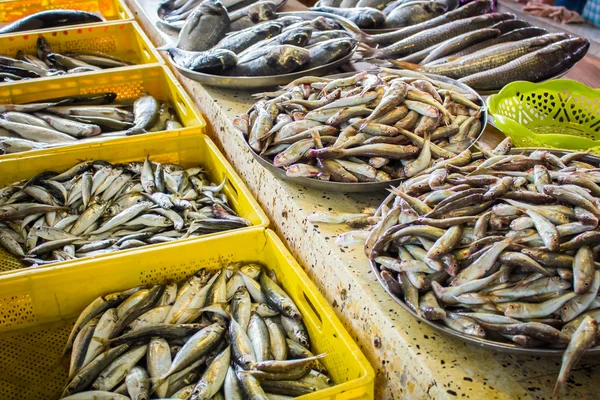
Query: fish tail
(365, 122)
(558, 388)
(364, 37)
(406, 65)
(365, 51)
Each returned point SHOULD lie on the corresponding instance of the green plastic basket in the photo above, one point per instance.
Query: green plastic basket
(560, 114)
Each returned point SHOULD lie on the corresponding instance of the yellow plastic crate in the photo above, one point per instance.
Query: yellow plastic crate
(128, 83)
(123, 39)
(37, 310)
(12, 10)
(185, 147)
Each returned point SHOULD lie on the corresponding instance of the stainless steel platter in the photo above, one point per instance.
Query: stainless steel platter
(365, 187)
(501, 347)
(254, 82)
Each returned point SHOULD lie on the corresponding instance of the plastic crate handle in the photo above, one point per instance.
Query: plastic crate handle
(310, 312)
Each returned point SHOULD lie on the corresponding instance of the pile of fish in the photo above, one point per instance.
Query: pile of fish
(484, 51)
(49, 63)
(173, 14)
(386, 14)
(80, 119)
(232, 334)
(503, 247)
(50, 19)
(98, 208)
(364, 128)
(212, 42)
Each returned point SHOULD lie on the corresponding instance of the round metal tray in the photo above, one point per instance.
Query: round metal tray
(254, 82)
(500, 347)
(364, 187)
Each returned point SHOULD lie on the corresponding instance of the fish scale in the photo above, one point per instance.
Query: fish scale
(422, 40)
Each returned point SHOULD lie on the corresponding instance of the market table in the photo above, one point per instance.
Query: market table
(411, 360)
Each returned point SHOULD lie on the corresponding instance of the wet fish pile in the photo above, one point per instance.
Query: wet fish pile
(212, 41)
(232, 334)
(386, 14)
(173, 14)
(98, 208)
(504, 248)
(364, 128)
(484, 51)
(50, 19)
(47, 63)
(80, 119)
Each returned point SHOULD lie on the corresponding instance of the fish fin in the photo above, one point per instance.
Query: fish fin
(364, 37)
(101, 340)
(406, 65)
(365, 51)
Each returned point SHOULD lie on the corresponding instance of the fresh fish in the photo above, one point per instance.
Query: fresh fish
(533, 66)
(279, 60)
(49, 19)
(474, 8)
(583, 338)
(412, 13)
(363, 17)
(424, 39)
(205, 27)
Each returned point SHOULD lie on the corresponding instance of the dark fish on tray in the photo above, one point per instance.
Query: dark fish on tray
(170, 27)
(329, 51)
(328, 3)
(280, 60)
(477, 7)
(50, 19)
(414, 13)
(450, 4)
(392, 5)
(378, 4)
(436, 35)
(493, 57)
(321, 36)
(169, 9)
(294, 37)
(325, 24)
(205, 27)
(363, 17)
(449, 46)
(510, 25)
(210, 62)
(238, 42)
(512, 36)
(459, 42)
(257, 12)
(288, 20)
(539, 65)
(348, 3)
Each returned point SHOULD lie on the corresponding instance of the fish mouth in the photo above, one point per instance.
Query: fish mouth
(214, 7)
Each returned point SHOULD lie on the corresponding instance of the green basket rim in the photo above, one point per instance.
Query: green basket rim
(524, 87)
